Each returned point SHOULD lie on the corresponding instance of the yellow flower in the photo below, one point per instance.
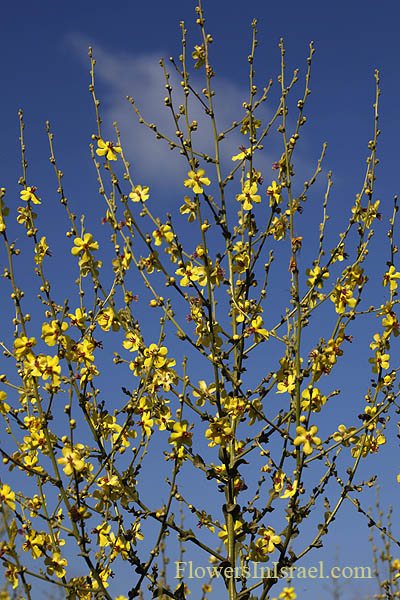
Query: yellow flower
(181, 435)
(188, 208)
(106, 320)
(266, 468)
(342, 297)
(217, 275)
(30, 194)
(137, 366)
(377, 343)
(257, 329)
(199, 55)
(366, 214)
(274, 191)
(392, 325)
(151, 263)
(374, 443)
(12, 575)
(23, 345)
(396, 566)
(241, 262)
(34, 504)
(254, 411)
(83, 352)
(245, 153)
(139, 194)
(155, 356)
(354, 276)
(220, 432)
(278, 480)
(307, 438)
(163, 233)
(31, 461)
(190, 273)
(244, 306)
(83, 588)
(123, 260)
(78, 319)
(71, 460)
(287, 385)
(316, 278)
(279, 227)
(338, 254)
(41, 250)
(25, 216)
(4, 407)
(7, 496)
(258, 552)
(249, 125)
(108, 485)
(108, 149)
(235, 407)
(370, 413)
(146, 423)
(196, 181)
(103, 576)
(34, 365)
(223, 534)
(290, 491)
(132, 342)
(206, 393)
(119, 547)
(84, 246)
(370, 213)
(34, 542)
(56, 565)
(381, 361)
(52, 369)
(389, 379)
(390, 277)
(268, 539)
(248, 195)
(312, 399)
(51, 333)
(163, 418)
(165, 376)
(136, 533)
(287, 594)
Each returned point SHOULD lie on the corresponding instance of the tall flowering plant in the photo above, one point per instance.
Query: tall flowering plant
(251, 432)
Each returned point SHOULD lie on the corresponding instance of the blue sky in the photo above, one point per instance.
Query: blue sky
(44, 71)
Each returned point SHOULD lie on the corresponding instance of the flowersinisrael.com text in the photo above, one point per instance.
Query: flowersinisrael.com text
(256, 570)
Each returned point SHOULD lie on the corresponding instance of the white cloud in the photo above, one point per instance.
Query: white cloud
(141, 77)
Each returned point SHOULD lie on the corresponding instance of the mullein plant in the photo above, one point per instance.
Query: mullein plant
(86, 463)
(386, 557)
